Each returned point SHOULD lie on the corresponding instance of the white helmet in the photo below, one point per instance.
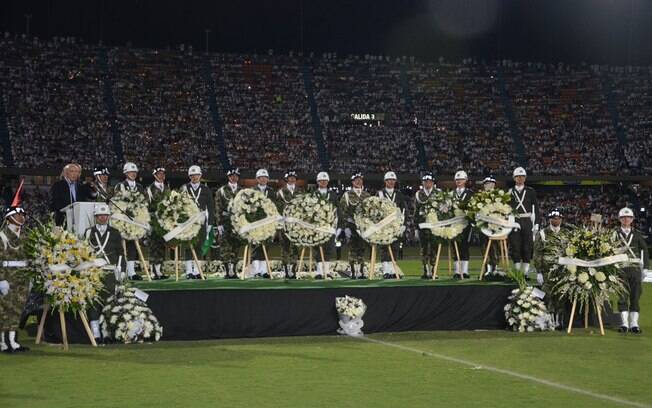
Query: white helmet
(390, 175)
(519, 171)
(193, 170)
(262, 173)
(625, 212)
(322, 175)
(129, 166)
(101, 209)
(461, 175)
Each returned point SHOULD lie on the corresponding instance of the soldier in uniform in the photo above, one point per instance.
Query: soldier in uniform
(541, 240)
(634, 246)
(107, 244)
(463, 195)
(526, 207)
(130, 170)
(289, 252)
(328, 248)
(203, 197)
(349, 202)
(100, 190)
(257, 256)
(492, 272)
(14, 279)
(230, 242)
(425, 236)
(155, 193)
(390, 192)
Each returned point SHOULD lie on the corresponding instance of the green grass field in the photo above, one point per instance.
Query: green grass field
(425, 369)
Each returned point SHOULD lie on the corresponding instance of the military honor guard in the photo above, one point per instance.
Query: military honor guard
(634, 246)
(203, 197)
(258, 261)
(229, 241)
(155, 193)
(350, 200)
(289, 252)
(493, 271)
(390, 192)
(541, 240)
(322, 191)
(14, 279)
(463, 195)
(525, 204)
(130, 171)
(107, 244)
(100, 190)
(425, 237)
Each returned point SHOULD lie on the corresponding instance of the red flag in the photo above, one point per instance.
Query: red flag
(18, 196)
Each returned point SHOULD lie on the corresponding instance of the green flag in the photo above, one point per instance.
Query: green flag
(210, 238)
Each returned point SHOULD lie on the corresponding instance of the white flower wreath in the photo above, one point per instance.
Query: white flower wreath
(177, 217)
(492, 213)
(254, 216)
(443, 216)
(130, 215)
(379, 221)
(309, 220)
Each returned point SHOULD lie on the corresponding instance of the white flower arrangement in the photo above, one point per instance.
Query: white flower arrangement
(254, 216)
(65, 268)
(130, 214)
(350, 310)
(492, 205)
(526, 312)
(443, 216)
(127, 319)
(379, 221)
(178, 210)
(309, 220)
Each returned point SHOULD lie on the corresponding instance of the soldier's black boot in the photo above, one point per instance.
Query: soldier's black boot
(353, 270)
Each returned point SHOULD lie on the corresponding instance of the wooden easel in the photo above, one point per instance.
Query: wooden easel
(586, 316)
(504, 260)
(435, 269)
(195, 260)
(246, 261)
(144, 266)
(64, 331)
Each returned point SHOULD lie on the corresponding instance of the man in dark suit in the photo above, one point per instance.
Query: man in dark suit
(66, 191)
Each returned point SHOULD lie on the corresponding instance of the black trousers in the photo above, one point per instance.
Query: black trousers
(521, 242)
(464, 243)
(634, 282)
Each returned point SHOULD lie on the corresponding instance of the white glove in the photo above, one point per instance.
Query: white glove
(347, 233)
(338, 232)
(4, 287)
(539, 278)
(220, 229)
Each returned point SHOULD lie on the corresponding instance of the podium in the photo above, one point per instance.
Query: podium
(79, 216)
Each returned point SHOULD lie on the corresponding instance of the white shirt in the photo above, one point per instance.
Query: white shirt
(131, 183)
(460, 191)
(389, 190)
(233, 186)
(101, 228)
(15, 229)
(262, 187)
(291, 187)
(555, 229)
(194, 186)
(323, 190)
(626, 231)
(358, 191)
(158, 185)
(427, 191)
(519, 188)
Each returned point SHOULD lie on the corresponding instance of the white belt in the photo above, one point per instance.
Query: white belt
(14, 264)
(524, 215)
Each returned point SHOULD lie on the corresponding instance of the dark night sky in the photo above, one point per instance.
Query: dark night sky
(595, 31)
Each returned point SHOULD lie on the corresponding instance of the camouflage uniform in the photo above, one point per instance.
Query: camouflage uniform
(156, 243)
(357, 246)
(229, 242)
(12, 304)
(289, 252)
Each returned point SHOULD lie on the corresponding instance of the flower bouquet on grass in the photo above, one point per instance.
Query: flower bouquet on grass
(127, 319)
